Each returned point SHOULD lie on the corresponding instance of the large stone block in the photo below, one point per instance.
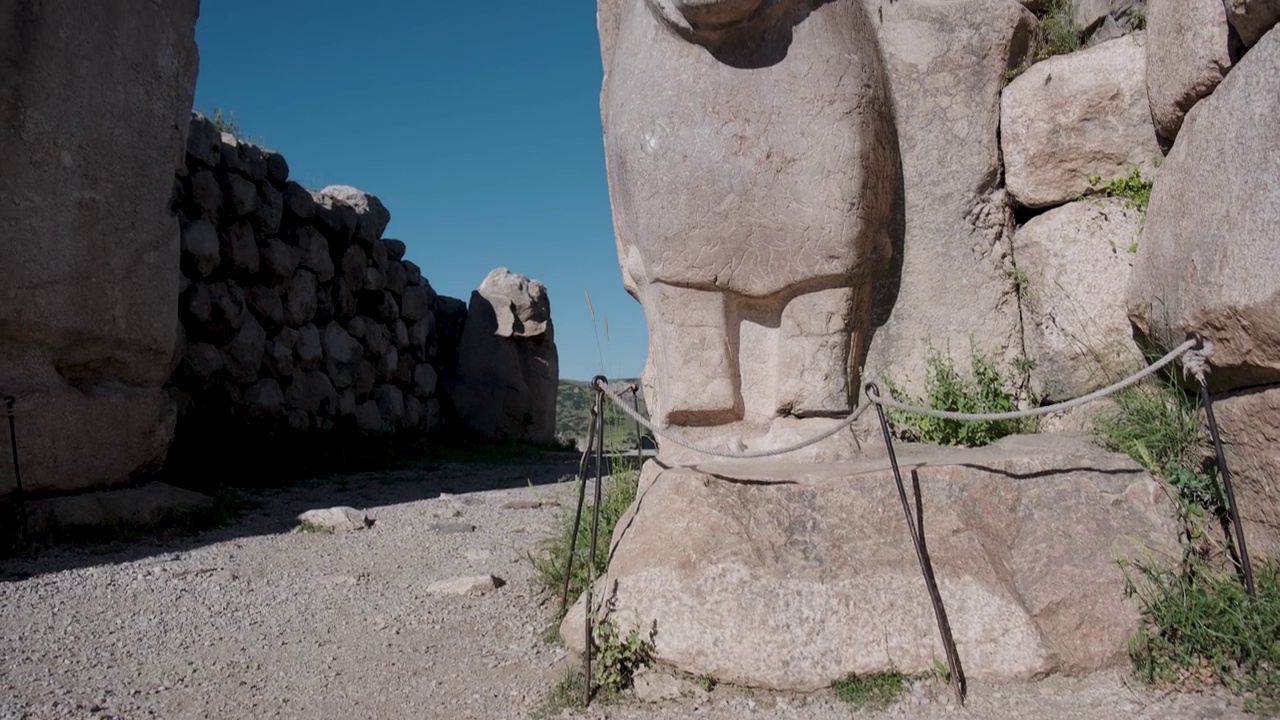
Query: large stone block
(1209, 262)
(751, 166)
(946, 62)
(790, 576)
(1074, 264)
(1188, 54)
(90, 246)
(1249, 424)
(1075, 117)
(505, 380)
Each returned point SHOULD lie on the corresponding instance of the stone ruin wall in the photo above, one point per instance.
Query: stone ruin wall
(294, 310)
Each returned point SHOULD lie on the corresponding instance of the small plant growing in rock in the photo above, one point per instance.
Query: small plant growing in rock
(225, 122)
(619, 657)
(875, 691)
(1055, 35)
(985, 391)
(1133, 189)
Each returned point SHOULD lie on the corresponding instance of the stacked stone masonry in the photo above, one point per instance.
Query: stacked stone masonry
(293, 309)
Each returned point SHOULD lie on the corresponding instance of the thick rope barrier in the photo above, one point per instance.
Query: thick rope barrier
(1195, 363)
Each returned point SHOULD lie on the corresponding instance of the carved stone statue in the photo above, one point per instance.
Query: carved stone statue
(752, 167)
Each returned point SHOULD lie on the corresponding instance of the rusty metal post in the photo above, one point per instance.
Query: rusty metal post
(1227, 486)
(9, 402)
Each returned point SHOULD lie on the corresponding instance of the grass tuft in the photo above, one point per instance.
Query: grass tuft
(875, 691)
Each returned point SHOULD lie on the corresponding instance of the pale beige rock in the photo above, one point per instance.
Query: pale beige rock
(1209, 262)
(90, 245)
(1249, 424)
(468, 585)
(339, 519)
(816, 561)
(1252, 18)
(505, 385)
(1074, 262)
(1187, 56)
(1074, 117)
(144, 505)
(744, 175)
(946, 62)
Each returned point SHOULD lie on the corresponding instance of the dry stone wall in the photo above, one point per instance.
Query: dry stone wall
(293, 309)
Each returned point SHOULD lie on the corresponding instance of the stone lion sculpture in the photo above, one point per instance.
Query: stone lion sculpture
(752, 167)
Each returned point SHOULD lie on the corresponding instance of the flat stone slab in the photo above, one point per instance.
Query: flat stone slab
(789, 576)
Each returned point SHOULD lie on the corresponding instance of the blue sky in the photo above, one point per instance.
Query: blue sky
(477, 124)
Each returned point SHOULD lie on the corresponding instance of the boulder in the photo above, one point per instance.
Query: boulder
(1252, 18)
(341, 355)
(242, 195)
(308, 352)
(204, 195)
(1073, 118)
(264, 400)
(239, 250)
(313, 253)
(1188, 54)
(301, 298)
(1074, 263)
(372, 216)
(1024, 537)
(1249, 424)
(299, 204)
(341, 519)
(390, 402)
(244, 353)
(946, 62)
(504, 386)
(264, 302)
(201, 254)
(270, 210)
(143, 505)
(1209, 262)
(277, 168)
(311, 391)
(335, 218)
(90, 243)
(278, 260)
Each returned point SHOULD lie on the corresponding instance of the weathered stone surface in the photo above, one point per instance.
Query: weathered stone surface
(242, 195)
(277, 358)
(200, 253)
(342, 299)
(374, 279)
(300, 300)
(239, 250)
(204, 142)
(244, 353)
(298, 202)
(253, 161)
(736, 194)
(372, 216)
(277, 168)
(413, 411)
(1187, 56)
(339, 519)
(201, 360)
(308, 352)
(311, 391)
(1089, 14)
(946, 63)
(1249, 424)
(378, 304)
(354, 262)
(270, 210)
(278, 260)
(335, 217)
(365, 377)
(415, 303)
(395, 248)
(469, 585)
(264, 400)
(1252, 18)
(424, 380)
(816, 560)
(367, 416)
(205, 197)
(1077, 116)
(397, 278)
(505, 387)
(266, 305)
(390, 402)
(89, 244)
(341, 354)
(313, 253)
(1076, 261)
(1209, 262)
(146, 504)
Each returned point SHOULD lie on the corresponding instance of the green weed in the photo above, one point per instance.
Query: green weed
(1056, 34)
(1133, 189)
(875, 691)
(984, 391)
(225, 122)
(1200, 627)
(618, 657)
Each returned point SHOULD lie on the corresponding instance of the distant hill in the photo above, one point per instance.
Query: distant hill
(573, 412)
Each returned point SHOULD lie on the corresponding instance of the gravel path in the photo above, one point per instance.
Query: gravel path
(252, 621)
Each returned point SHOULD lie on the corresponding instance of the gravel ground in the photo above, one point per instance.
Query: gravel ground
(253, 621)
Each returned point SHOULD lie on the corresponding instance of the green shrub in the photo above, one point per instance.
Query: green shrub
(225, 122)
(985, 391)
(1056, 34)
(1133, 189)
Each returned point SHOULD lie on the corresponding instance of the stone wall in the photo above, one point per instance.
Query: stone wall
(293, 309)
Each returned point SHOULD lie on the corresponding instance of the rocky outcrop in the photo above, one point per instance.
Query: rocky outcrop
(946, 63)
(89, 276)
(816, 560)
(1075, 118)
(1188, 54)
(1073, 266)
(295, 311)
(1208, 261)
(504, 380)
(1249, 424)
(1251, 19)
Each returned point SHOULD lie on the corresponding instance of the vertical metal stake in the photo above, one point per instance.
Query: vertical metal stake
(9, 400)
(1226, 484)
(926, 567)
(598, 382)
(577, 516)
(635, 402)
